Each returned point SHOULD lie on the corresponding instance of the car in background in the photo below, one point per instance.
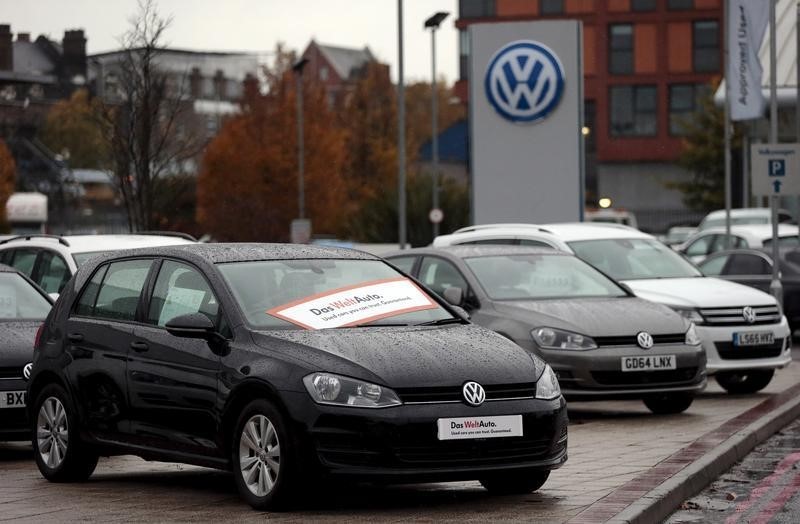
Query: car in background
(745, 215)
(286, 364)
(677, 235)
(714, 239)
(23, 308)
(611, 216)
(601, 340)
(51, 260)
(745, 335)
(753, 267)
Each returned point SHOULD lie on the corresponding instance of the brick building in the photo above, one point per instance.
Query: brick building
(337, 68)
(646, 62)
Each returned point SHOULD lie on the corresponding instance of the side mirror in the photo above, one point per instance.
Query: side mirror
(193, 325)
(454, 296)
(626, 287)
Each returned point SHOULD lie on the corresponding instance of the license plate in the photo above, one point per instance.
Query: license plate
(480, 427)
(12, 399)
(753, 338)
(649, 363)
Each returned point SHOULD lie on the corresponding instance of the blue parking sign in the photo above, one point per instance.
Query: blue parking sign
(777, 167)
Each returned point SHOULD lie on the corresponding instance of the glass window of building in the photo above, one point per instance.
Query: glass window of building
(476, 8)
(551, 7)
(633, 110)
(705, 46)
(678, 5)
(643, 5)
(684, 100)
(620, 53)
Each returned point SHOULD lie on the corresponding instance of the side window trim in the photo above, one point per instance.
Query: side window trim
(84, 289)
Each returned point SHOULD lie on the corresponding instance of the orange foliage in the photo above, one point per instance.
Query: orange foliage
(7, 180)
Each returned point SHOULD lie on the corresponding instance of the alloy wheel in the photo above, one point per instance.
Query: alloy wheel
(51, 432)
(259, 455)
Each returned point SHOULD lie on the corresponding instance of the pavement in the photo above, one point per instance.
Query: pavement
(625, 465)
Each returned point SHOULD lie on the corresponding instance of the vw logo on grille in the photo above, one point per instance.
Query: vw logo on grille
(645, 340)
(26, 371)
(749, 314)
(473, 393)
(524, 81)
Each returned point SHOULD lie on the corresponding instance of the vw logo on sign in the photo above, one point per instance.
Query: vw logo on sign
(749, 314)
(26, 371)
(524, 81)
(473, 393)
(645, 340)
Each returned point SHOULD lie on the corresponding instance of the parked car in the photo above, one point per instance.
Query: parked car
(677, 235)
(753, 267)
(600, 339)
(285, 364)
(23, 307)
(714, 239)
(50, 260)
(746, 215)
(744, 334)
(611, 216)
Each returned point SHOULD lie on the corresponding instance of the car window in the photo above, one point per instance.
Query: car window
(720, 243)
(745, 264)
(404, 264)
(634, 258)
(439, 274)
(24, 260)
(700, 246)
(53, 272)
(20, 300)
(5, 256)
(535, 243)
(713, 266)
(491, 242)
(181, 289)
(119, 293)
(88, 297)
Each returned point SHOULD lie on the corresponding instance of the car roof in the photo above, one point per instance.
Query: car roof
(573, 231)
(743, 212)
(478, 250)
(763, 231)
(93, 243)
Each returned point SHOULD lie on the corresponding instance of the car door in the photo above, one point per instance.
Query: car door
(439, 274)
(172, 382)
(99, 332)
(749, 269)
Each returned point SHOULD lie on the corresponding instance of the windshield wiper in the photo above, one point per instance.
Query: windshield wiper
(442, 322)
(369, 324)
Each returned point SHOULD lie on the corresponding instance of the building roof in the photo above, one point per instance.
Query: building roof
(452, 145)
(234, 65)
(345, 59)
(29, 58)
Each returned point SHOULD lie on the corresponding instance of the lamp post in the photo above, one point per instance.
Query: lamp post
(433, 23)
(401, 132)
(301, 189)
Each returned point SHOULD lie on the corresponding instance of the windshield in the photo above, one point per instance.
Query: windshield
(532, 277)
(315, 294)
(19, 300)
(634, 258)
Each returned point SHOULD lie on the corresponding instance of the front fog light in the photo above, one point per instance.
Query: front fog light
(692, 338)
(547, 387)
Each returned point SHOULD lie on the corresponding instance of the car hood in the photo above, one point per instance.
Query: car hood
(411, 356)
(596, 317)
(699, 292)
(16, 342)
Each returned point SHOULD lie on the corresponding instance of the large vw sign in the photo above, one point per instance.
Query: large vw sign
(524, 81)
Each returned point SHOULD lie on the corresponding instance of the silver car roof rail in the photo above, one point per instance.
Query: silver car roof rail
(61, 240)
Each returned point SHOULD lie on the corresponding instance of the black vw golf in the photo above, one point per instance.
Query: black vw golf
(285, 364)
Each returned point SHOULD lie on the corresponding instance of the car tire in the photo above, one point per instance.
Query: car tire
(745, 381)
(669, 403)
(265, 459)
(515, 483)
(60, 454)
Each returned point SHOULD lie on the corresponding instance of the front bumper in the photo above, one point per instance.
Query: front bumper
(597, 373)
(400, 444)
(722, 355)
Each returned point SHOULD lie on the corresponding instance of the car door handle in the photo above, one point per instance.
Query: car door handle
(75, 337)
(139, 346)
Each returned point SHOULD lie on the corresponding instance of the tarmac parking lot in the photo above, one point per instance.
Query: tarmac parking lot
(613, 446)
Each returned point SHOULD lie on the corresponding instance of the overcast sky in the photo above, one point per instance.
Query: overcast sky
(256, 25)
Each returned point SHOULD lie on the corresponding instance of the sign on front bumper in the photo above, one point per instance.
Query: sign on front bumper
(649, 363)
(754, 338)
(480, 427)
(12, 399)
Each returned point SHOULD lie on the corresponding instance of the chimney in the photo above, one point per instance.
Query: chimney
(74, 58)
(23, 37)
(6, 49)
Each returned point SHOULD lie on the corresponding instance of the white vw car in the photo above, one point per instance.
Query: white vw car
(744, 333)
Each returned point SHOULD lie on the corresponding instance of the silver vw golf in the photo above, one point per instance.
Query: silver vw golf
(601, 340)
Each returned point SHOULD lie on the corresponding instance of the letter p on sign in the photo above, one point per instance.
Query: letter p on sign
(777, 167)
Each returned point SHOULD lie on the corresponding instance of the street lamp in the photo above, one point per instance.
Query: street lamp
(433, 23)
(301, 196)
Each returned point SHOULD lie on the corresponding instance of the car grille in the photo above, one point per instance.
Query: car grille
(10, 372)
(630, 340)
(640, 378)
(728, 351)
(416, 445)
(454, 393)
(734, 316)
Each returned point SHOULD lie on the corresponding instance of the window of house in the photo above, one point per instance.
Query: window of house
(705, 46)
(678, 5)
(643, 5)
(476, 8)
(684, 101)
(551, 7)
(633, 110)
(620, 52)
(323, 73)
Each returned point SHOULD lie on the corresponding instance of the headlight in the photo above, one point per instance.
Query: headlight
(692, 339)
(690, 314)
(327, 388)
(550, 338)
(547, 387)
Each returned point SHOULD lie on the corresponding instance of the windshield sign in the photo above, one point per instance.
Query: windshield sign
(634, 258)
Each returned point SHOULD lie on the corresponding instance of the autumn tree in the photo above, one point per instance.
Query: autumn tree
(8, 175)
(248, 185)
(73, 128)
(418, 113)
